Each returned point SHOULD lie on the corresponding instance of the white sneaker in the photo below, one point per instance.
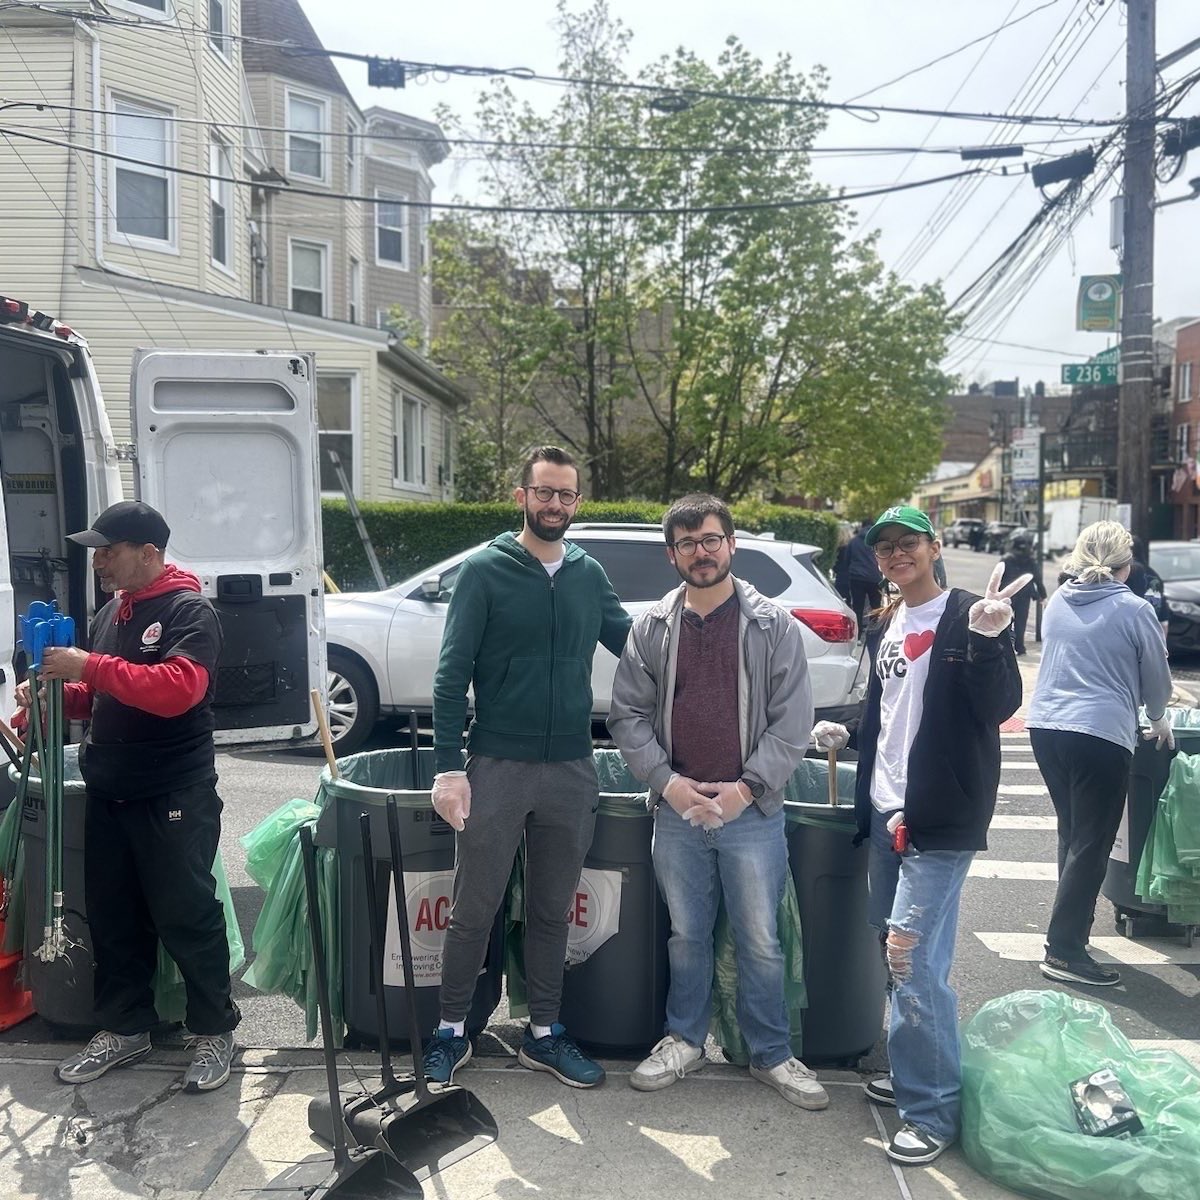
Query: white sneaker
(795, 1083)
(670, 1060)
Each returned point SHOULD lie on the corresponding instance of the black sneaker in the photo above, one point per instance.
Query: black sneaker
(880, 1091)
(561, 1057)
(912, 1146)
(444, 1054)
(1084, 970)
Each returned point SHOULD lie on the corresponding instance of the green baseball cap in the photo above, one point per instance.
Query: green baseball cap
(901, 514)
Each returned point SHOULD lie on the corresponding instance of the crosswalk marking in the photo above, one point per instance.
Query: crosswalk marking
(998, 868)
(1146, 952)
(1023, 789)
(1007, 821)
(1017, 764)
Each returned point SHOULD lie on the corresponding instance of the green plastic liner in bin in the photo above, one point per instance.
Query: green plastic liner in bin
(1021, 1053)
(1169, 871)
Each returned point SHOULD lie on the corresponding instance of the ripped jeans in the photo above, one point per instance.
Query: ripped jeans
(916, 896)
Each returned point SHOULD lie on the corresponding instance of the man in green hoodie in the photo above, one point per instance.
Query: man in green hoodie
(521, 629)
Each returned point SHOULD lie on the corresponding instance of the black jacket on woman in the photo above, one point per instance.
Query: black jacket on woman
(954, 764)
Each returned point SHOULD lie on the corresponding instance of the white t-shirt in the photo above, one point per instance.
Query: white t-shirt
(902, 665)
(552, 567)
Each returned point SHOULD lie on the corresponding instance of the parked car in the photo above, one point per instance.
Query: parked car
(383, 646)
(995, 537)
(1179, 565)
(960, 532)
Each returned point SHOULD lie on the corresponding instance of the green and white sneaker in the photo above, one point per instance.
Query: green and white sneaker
(105, 1051)
(211, 1063)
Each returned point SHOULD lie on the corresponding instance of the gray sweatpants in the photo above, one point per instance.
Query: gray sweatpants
(553, 806)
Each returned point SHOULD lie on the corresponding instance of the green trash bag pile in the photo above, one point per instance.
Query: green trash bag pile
(1169, 872)
(283, 957)
(14, 888)
(1021, 1052)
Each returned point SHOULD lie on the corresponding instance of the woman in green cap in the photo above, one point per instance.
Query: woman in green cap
(942, 680)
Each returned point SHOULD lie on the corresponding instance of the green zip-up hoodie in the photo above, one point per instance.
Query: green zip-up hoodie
(525, 642)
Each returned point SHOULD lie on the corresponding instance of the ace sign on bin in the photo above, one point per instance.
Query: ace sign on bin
(595, 914)
(429, 896)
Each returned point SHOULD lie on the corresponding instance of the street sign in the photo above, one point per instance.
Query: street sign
(1098, 303)
(1024, 465)
(1089, 373)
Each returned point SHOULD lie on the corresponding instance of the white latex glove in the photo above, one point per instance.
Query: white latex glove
(1161, 729)
(992, 615)
(829, 735)
(452, 797)
(684, 796)
(733, 798)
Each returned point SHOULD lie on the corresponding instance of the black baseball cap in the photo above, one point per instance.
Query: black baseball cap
(128, 521)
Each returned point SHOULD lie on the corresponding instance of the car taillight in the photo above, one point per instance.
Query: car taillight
(828, 625)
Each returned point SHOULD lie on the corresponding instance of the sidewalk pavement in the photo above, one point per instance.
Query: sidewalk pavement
(134, 1133)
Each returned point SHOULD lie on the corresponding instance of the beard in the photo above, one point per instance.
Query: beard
(547, 532)
(685, 573)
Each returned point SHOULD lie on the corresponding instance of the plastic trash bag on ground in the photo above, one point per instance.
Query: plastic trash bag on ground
(1021, 1052)
(724, 1025)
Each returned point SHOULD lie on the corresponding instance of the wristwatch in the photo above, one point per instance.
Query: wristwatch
(757, 790)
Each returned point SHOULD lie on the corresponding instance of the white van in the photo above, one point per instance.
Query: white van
(225, 447)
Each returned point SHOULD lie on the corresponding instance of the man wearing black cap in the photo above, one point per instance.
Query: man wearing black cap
(153, 815)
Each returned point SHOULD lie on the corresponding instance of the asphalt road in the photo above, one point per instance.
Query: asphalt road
(1006, 902)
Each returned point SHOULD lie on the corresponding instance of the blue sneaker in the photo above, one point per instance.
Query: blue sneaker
(559, 1055)
(444, 1054)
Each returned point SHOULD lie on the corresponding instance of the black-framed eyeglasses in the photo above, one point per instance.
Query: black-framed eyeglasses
(710, 541)
(545, 494)
(907, 544)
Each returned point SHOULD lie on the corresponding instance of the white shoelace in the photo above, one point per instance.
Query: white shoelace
(670, 1054)
(103, 1043)
(208, 1048)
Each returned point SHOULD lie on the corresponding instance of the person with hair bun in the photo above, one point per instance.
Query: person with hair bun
(1103, 656)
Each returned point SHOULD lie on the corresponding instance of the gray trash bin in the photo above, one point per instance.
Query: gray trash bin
(615, 983)
(429, 856)
(1148, 775)
(844, 972)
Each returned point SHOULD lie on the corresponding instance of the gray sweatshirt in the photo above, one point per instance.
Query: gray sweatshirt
(1103, 656)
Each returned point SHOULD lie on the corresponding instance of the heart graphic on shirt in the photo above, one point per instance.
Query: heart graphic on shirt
(916, 644)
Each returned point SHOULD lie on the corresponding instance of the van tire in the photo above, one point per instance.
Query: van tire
(353, 703)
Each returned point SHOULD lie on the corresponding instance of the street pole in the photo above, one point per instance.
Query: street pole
(1041, 526)
(1136, 404)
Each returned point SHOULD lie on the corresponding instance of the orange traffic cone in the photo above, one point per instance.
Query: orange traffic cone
(15, 1002)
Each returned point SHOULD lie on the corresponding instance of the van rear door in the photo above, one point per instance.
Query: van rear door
(227, 451)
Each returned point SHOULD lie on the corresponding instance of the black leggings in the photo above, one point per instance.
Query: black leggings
(1088, 778)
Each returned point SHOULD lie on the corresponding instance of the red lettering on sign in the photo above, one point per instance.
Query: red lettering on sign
(441, 912)
(579, 913)
(424, 917)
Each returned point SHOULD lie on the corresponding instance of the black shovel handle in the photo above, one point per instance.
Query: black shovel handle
(375, 921)
(414, 743)
(410, 986)
(308, 855)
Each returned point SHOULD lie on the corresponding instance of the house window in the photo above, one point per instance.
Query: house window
(390, 240)
(335, 423)
(410, 442)
(306, 123)
(355, 290)
(351, 158)
(142, 190)
(383, 319)
(1183, 442)
(307, 262)
(218, 26)
(423, 219)
(220, 201)
(1185, 383)
(447, 468)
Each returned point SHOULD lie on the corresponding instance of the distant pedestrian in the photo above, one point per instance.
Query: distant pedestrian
(865, 577)
(943, 678)
(1017, 562)
(841, 562)
(1146, 582)
(1103, 657)
(711, 705)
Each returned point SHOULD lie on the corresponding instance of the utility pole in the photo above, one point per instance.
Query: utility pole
(1136, 404)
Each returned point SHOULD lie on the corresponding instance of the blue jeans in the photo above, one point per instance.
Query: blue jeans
(916, 896)
(747, 861)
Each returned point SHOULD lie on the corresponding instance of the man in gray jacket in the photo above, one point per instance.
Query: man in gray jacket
(712, 707)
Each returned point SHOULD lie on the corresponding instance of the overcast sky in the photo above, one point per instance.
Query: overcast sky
(863, 44)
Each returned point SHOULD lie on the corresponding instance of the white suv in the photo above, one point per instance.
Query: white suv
(383, 646)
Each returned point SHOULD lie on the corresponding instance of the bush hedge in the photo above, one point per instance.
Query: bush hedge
(410, 537)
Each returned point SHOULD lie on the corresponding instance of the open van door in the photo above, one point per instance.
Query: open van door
(227, 451)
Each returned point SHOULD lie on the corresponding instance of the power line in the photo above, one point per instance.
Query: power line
(521, 210)
(933, 62)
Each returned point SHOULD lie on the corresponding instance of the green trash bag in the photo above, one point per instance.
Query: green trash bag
(1169, 871)
(14, 922)
(1021, 1052)
(724, 1026)
(283, 958)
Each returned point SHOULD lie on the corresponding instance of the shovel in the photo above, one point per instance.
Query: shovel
(426, 1127)
(414, 745)
(833, 800)
(358, 1173)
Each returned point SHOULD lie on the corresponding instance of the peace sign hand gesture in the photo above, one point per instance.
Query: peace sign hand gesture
(992, 615)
